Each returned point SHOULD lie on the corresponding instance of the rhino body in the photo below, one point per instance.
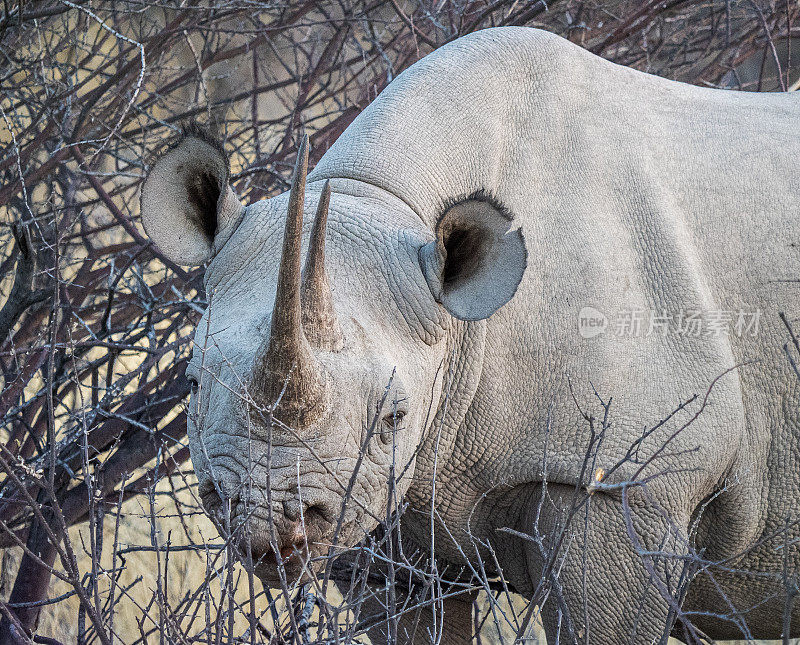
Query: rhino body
(599, 189)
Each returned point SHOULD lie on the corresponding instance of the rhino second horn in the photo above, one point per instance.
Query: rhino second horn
(293, 378)
(319, 317)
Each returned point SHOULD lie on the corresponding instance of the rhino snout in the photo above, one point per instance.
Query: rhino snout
(295, 544)
(298, 521)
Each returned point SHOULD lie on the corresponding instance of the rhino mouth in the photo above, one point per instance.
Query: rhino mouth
(294, 554)
(274, 543)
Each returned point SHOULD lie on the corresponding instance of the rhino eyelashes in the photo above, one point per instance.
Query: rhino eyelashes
(303, 311)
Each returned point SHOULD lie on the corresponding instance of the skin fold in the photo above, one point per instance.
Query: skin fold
(492, 192)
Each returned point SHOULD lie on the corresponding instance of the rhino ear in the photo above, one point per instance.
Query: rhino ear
(476, 262)
(188, 207)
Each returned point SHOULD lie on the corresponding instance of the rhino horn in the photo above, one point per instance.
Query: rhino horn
(294, 379)
(319, 317)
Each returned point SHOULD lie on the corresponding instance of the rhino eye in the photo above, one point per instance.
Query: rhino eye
(193, 384)
(394, 417)
(391, 422)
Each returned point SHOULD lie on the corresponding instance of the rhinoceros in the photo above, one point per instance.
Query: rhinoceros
(469, 260)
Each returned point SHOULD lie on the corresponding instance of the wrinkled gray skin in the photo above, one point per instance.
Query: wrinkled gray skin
(631, 192)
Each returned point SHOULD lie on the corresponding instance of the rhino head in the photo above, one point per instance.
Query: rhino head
(314, 382)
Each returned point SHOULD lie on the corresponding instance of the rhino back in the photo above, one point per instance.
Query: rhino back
(635, 193)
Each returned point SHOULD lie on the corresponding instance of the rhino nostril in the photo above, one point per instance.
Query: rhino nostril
(291, 510)
(315, 514)
(310, 514)
(208, 495)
